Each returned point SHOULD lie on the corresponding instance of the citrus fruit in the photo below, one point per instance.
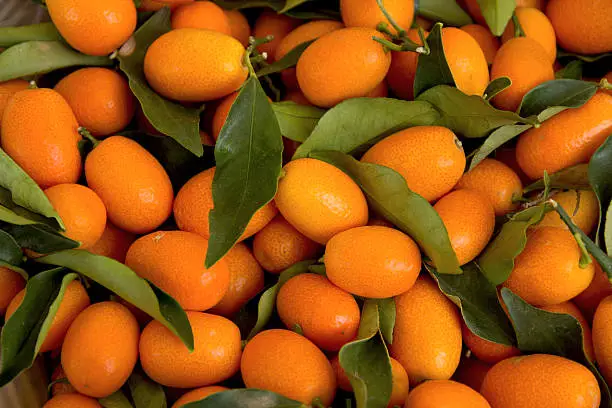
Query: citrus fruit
(471, 372)
(114, 243)
(571, 309)
(602, 340)
(402, 70)
(11, 283)
(485, 350)
(445, 394)
(600, 288)
(205, 15)
(7, 90)
(380, 91)
(72, 400)
(221, 113)
(535, 25)
(239, 26)
(63, 386)
(367, 13)
(582, 207)
(489, 44)
(197, 395)
(269, 23)
(466, 61)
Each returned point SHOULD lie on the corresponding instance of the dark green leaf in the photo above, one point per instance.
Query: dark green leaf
(470, 116)
(585, 58)
(267, 301)
(115, 400)
(247, 398)
(386, 309)
(10, 251)
(146, 393)
(288, 61)
(495, 140)
(40, 238)
(497, 13)
(242, 4)
(124, 282)
(170, 118)
(497, 260)
(600, 169)
(249, 155)
(10, 36)
(496, 86)
(448, 12)
(296, 121)
(480, 307)
(40, 57)
(608, 230)
(573, 70)
(356, 124)
(433, 70)
(575, 177)
(389, 195)
(25, 331)
(568, 93)
(290, 4)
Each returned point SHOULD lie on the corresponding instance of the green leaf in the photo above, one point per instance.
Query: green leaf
(115, 400)
(170, 118)
(495, 140)
(10, 217)
(366, 361)
(40, 238)
(584, 58)
(249, 155)
(573, 70)
(10, 251)
(539, 331)
(250, 398)
(289, 60)
(267, 301)
(10, 36)
(146, 393)
(23, 191)
(575, 177)
(469, 115)
(296, 121)
(25, 331)
(567, 93)
(497, 13)
(480, 307)
(496, 86)
(386, 309)
(276, 5)
(448, 12)
(433, 70)
(40, 57)
(290, 4)
(608, 230)
(497, 260)
(124, 282)
(354, 125)
(388, 195)
(600, 169)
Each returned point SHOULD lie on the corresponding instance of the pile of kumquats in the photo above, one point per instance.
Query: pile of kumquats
(308, 203)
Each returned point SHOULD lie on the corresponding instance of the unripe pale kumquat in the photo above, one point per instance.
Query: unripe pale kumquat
(204, 15)
(466, 61)
(367, 13)
(445, 394)
(535, 25)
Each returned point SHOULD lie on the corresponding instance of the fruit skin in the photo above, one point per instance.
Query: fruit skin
(366, 13)
(177, 68)
(569, 138)
(471, 372)
(7, 90)
(430, 158)
(487, 41)
(590, 31)
(114, 243)
(72, 400)
(194, 201)
(94, 27)
(373, 262)
(50, 153)
(498, 182)
(600, 288)
(469, 219)
(101, 349)
(526, 63)
(239, 26)
(204, 15)
(278, 246)
(269, 363)
(320, 200)
(246, 280)
(75, 300)
(198, 394)
(60, 387)
(343, 64)
(584, 213)
(276, 25)
(571, 309)
(402, 70)
(174, 261)
(138, 200)
(547, 272)
(221, 113)
(535, 25)
(487, 351)
(11, 283)
(445, 394)
(427, 334)
(327, 315)
(81, 210)
(466, 61)
(602, 340)
(559, 382)
(216, 356)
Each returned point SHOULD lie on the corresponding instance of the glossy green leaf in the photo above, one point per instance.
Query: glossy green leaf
(608, 230)
(389, 195)
(248, 398)
(40, 238)
(480, 307)
(10, 251)
(354, 125)
(243, 4)
(386, 310)
(495, 140)
(10, 36)
(470, 116)
(7, 215)
(289, 60)
(170, 118)
(25, 331)
(573, 70)
(366, 361)
(496, 86)
(575, 177)
(40, 57)
(584, 58)
(568, 93)
(267, 301)
(291, 4)
(497, 14)
(124, 282)
(433, 70)
(446, 11)
(600, 169)
(539, 331)
(497, 260)
(115, 400)
(296, 121)
(146, 393)
(249, 155)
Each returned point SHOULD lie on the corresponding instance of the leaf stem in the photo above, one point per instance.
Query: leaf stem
(407, 45)
(400, 31)
(87, 136)
(604, 84)
(518, 29)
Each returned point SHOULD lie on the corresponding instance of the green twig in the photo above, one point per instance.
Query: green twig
(518, 29)
(86, 135)
(604, 84)
(400, 31)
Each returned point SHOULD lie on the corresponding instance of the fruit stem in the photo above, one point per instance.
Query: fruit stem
(252, 55)
(87, 136)
(604, 84)
(580, 237)
(518, 29)
(32, 85)
(407, 45)
(400, 31)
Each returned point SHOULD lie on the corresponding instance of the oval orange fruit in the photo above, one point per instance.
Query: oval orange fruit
(445, 394)
(204, 15)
